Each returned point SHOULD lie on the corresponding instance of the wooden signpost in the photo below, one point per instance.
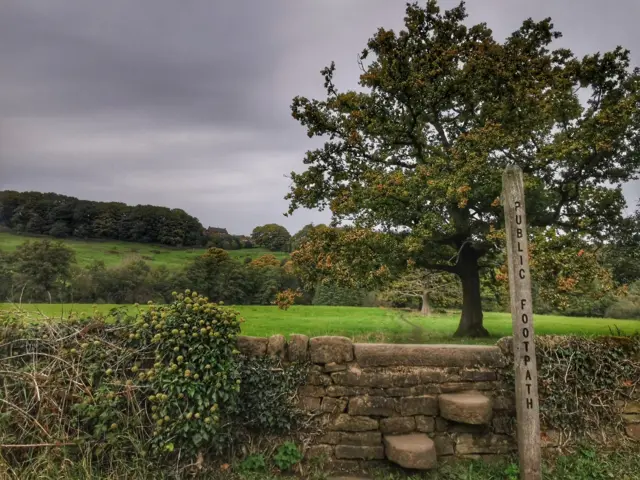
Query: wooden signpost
(524, 350)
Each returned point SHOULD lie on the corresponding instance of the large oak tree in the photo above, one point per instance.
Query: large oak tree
(443, 108)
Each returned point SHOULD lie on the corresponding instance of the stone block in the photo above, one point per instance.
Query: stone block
(467, 443)
(415, 451)
(456, 427)
(453, 387)
(349, 423)
(355, 377)
(319, 452)
(400, 392)
(389, 355)
(318, 379)
(633, 431)
(441, 425)
(277, 346)
(342, 391)
(252, 346)
(354, 452)
(310, 404)
(470, 407)
(505, 425)
(397, 425)
(333, 405)
(444, 444)
(478, 375)
(330, 349)
(421, 405)
(413, 376)
(334, 367)
(425, 424)
(330, 438)
(632, 407)
(311, 391)
(298, 350)
(378, 406)
(373, 439)
(504, 403)
(429, 389)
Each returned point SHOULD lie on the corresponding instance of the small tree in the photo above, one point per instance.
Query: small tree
(272, 236)
(43, 265)
(443, 109)
(218, 276)
(424, 284)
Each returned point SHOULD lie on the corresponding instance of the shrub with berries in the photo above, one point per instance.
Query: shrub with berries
(162, 383)
(192, 384)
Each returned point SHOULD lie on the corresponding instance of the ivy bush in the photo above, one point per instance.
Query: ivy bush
(268, 395)
(165, 384)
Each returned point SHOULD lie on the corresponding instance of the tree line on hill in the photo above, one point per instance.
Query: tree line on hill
(62, 216)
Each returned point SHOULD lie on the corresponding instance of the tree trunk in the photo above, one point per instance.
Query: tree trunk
(469, 273)
(426, 308)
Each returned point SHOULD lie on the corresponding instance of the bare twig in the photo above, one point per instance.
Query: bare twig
(25, 414)
(37, 445)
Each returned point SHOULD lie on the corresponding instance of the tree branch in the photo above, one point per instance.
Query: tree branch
(441, 133)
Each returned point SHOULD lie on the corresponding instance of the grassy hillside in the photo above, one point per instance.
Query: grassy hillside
(114, 252)
(375, 324)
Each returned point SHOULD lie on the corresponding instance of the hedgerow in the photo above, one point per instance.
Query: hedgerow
(584, 381)
(166, 384)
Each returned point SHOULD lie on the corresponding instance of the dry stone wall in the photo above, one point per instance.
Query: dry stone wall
(415, 405)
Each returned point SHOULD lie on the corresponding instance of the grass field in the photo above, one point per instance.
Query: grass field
(114, 252)
(375, 324)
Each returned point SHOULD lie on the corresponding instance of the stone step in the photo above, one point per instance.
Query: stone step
(416, 451)
(404, 355)
(472, 408)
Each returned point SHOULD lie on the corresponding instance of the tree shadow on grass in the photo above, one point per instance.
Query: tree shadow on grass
(421, 335)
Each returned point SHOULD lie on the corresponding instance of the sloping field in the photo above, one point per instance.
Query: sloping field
(114, 252)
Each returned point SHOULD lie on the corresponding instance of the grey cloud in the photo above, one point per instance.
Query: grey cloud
(186, 104)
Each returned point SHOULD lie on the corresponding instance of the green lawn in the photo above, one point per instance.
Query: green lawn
(376, 324)
(114, 252)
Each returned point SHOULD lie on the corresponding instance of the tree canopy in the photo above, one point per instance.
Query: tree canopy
(443, 108)
(272, 236)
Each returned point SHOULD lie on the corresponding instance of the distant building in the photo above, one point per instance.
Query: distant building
(216, 231)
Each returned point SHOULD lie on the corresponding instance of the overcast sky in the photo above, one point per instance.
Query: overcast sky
(186, 103)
